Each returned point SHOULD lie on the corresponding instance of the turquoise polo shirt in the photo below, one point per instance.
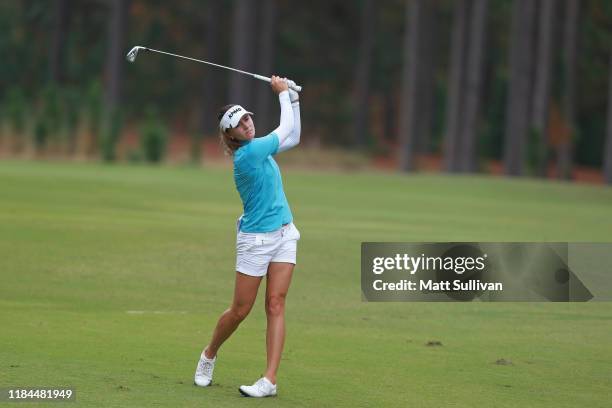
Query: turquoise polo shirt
(259, 183)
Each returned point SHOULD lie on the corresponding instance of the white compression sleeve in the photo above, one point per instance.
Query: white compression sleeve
(286, 119)
(294, 137)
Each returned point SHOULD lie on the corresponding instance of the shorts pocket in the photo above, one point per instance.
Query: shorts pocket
(244, 241)
(262, 239)
(292, 233)
(251, 241)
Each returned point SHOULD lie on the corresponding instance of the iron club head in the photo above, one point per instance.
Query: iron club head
(131, 56)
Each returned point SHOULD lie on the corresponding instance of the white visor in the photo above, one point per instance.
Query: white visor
(232, 117)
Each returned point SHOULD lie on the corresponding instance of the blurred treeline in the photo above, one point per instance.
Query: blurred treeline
(524, 82)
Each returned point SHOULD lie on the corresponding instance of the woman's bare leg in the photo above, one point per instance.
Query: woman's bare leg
(277, 285)
(245, 293)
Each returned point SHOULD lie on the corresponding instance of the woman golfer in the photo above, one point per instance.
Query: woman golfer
(266, 242)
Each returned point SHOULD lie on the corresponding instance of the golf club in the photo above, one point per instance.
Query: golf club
(131, 57)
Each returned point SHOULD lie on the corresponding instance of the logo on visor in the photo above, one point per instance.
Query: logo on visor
(232, 113)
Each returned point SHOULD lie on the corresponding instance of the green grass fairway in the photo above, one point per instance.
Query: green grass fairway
(113, 278)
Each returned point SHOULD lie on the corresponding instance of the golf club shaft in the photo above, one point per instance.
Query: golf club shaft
(260, 77)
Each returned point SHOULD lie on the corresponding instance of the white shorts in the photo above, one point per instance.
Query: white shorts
(255, 250)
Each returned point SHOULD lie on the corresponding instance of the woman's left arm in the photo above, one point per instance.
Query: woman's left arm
(294, 137)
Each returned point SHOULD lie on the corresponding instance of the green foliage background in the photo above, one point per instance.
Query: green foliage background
(316, 43)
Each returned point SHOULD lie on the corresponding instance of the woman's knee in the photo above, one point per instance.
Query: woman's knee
(275, 304)
(239, 312)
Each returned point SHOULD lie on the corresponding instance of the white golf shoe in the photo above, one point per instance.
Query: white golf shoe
(262, 388)
(204, 371)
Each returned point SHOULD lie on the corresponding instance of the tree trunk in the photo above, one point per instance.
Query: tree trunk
(389, 124)
(362, 73)
(242, 49)
(426, 77)
(570, 39)
(212, 78)
(477, 33)
(541, 88)
(266, 116)
(408, 102)
(519, 94)
(608, 148)
(115, 53)
(61, 25)
(456, 87)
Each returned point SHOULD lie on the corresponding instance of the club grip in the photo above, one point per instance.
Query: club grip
(296, 88)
